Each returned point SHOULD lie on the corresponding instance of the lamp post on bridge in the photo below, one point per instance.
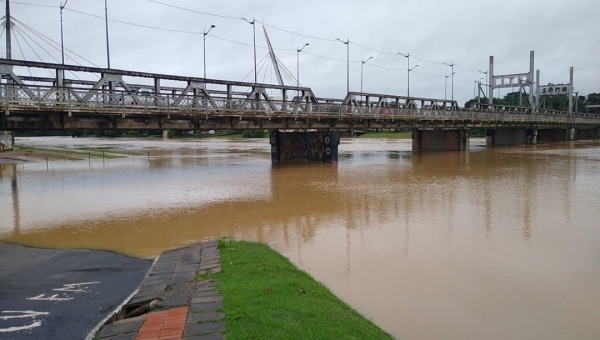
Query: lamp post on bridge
(474, 86)
(446, 83)
(409, 70)
(107, 42)
(298, 50)
(205, 33)
(407, 56)
(486, 84)
(62, 42)
(452, 66)
(363, 62)
(347, 42)
(253, 22)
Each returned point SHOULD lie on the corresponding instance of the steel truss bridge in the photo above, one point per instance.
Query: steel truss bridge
(130, 100)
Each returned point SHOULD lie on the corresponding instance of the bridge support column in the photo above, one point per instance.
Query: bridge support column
(552, 135)
(312, 146)
(165, 134)
(500, 137)
(440, 140)
(586, 134)
(7, 140)
(570, 134)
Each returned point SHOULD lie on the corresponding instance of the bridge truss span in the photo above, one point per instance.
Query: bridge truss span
(95, 98)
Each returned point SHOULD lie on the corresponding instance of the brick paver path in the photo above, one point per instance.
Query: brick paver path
(165, 325)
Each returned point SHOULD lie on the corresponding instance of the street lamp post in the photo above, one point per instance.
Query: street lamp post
(452, 66)
(205, 33)
(298, 50)
(347, 42)
(254, 37)
(107, 43)
(446, 84)
(62, 42)
(363, 62)
(407, 56)
(410, 69)
(486, 84)
(474, 86)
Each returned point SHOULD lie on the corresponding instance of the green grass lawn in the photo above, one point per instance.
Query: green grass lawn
(267, 297)
(387, 134)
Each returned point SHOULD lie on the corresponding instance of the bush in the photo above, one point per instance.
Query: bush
(253, 134)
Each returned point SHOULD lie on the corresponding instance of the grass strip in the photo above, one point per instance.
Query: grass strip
(64, 153)
(387, 134)
(266, 297)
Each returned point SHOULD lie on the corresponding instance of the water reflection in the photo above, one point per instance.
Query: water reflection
(431, 245)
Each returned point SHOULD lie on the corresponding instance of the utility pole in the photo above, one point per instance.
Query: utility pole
(407, 56)
(347, 42)
(363, 62)
(204, 57)
(8, 24)
(62, 41)
(107, 44)
(452, 66)
(486, 81)
(253, 23)
(298, 50)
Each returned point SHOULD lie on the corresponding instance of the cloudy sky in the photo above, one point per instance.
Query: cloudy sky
(562, 33)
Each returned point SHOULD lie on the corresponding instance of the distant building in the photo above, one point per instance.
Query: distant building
(595, 109)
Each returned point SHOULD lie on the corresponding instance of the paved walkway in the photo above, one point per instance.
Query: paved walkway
(171, 304)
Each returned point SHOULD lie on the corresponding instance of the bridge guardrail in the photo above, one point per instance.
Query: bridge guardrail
(75, 100)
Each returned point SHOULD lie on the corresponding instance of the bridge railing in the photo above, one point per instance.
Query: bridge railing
(76, 101)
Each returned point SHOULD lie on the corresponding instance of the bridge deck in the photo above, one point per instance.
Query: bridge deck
(143, 102)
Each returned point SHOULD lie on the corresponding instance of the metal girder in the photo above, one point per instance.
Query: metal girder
(555, 89)
(512, 80)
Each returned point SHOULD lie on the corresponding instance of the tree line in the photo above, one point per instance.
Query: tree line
(559, 103)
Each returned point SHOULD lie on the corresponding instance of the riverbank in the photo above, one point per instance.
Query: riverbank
(266, 297)
(234, 290)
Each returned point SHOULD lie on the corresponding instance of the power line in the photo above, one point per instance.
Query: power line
(30, 4)
(134, 24)
(245, 44)
(300, 34)
(194, 11)
(295, 33)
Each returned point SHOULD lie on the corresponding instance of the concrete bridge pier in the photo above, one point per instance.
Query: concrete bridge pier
(571, 134)
(587, 134)
(165, 134)
(500, 137)
(554, 135)
(440, 140)
(310, 146)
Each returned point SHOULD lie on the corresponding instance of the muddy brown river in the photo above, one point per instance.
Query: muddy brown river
(488, 244)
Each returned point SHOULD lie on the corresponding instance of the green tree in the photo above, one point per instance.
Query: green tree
(593, 99)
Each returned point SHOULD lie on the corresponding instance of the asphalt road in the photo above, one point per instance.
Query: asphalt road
(62, 294)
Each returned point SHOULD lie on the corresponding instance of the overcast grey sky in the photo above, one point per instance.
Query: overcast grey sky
(562, 33)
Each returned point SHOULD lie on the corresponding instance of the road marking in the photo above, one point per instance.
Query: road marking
(25, 314)
(50, 298)
(70, 287)
(22, 328)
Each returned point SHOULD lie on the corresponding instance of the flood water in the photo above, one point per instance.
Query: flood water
(488, 244)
